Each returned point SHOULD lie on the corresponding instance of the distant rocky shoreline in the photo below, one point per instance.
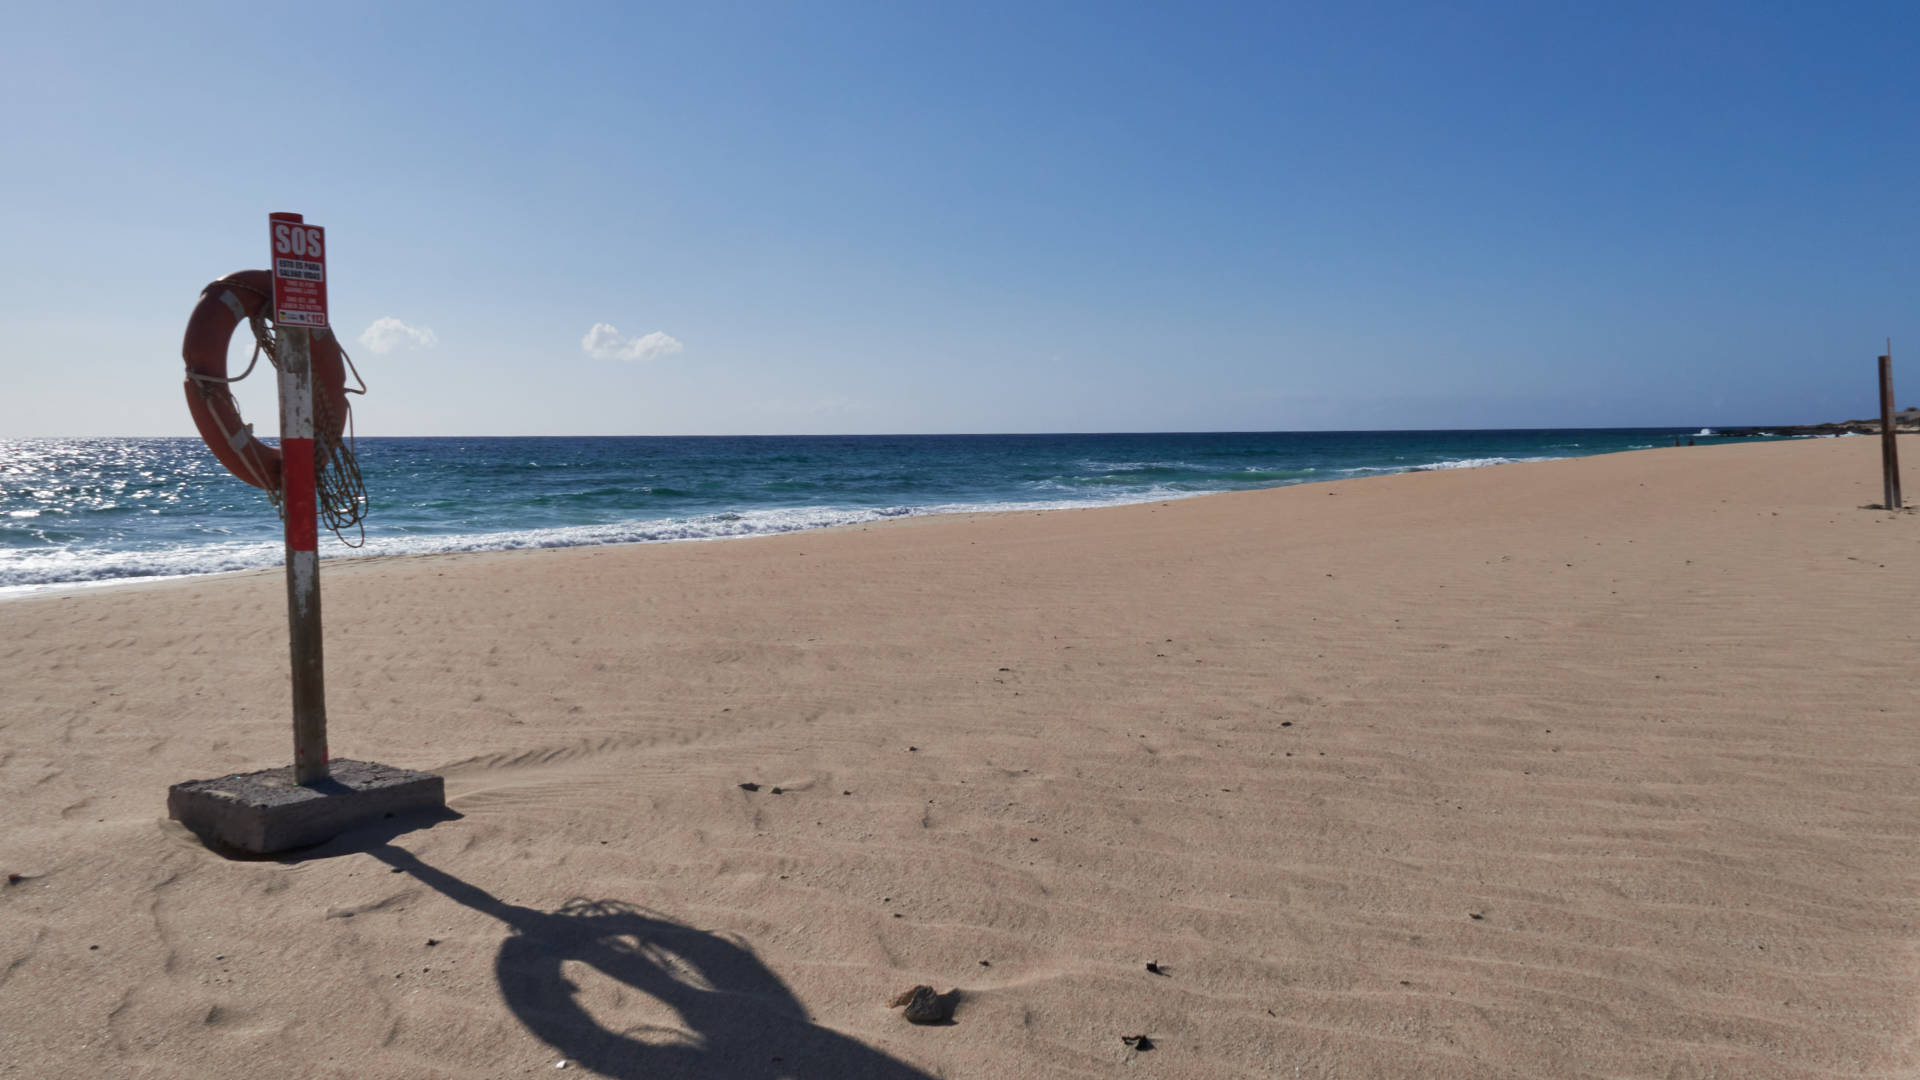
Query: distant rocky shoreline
(1906, 421)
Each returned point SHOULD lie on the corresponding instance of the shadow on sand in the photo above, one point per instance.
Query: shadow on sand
(744, 1022)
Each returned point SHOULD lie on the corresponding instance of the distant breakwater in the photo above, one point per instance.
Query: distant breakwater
(1906, 421)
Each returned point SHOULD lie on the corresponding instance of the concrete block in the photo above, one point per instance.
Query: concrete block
(264, 812)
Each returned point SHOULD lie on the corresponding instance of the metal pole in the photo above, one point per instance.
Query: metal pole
(1889, 450)
(294, 347)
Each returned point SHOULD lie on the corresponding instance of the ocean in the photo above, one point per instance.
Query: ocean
(85, 511)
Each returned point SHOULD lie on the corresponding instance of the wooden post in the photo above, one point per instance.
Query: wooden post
(1889, 449)
(293, 346)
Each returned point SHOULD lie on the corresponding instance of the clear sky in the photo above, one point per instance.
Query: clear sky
(714, 218)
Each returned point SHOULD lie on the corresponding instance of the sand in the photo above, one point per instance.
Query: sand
(1589, 768)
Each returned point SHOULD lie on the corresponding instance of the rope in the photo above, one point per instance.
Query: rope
(215, 380)
(340, 492)
(339, 489)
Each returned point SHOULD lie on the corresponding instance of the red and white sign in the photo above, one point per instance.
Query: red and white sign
(299, 271)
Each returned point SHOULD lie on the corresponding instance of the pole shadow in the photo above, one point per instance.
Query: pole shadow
(745, 1023)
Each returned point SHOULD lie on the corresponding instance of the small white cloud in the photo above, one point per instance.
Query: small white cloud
(603, 342)
(388, 333)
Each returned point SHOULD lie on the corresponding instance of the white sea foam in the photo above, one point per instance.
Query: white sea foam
(1451, 463)
(1106, 467)
(23, 571)
(1477, 463)
(37, 568)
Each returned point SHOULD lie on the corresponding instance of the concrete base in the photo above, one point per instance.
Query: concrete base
(263, 812)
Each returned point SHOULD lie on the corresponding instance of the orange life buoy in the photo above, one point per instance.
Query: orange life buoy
(224, 305)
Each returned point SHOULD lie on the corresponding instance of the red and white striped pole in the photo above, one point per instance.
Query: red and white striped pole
(293, 347)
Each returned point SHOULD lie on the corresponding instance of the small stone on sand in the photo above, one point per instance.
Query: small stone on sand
(924, 1006)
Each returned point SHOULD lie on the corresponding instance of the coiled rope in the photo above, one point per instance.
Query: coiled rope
(340, 492)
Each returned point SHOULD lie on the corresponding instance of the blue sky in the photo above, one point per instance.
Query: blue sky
(900, 217)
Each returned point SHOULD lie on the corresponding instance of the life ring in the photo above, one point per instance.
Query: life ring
(225, 304)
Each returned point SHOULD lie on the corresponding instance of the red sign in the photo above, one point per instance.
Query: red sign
(299, 271)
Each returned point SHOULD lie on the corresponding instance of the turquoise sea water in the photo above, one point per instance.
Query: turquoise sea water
(76, 511)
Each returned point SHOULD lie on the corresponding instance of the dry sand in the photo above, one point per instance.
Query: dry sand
(1600, 767)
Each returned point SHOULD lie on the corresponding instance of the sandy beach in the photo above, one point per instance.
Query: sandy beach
(1599, 767)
